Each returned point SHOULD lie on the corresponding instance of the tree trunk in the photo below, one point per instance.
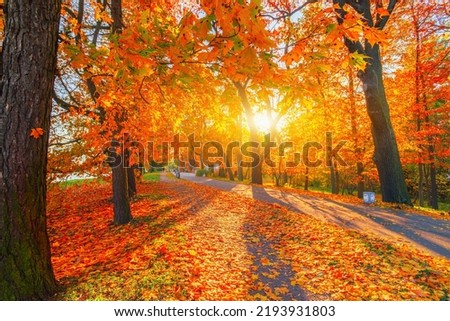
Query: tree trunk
(420, 191)
(240, 172)
(360, 170)
(333, 180)
(386, 156)
(29, 64)
(306, 187)
(122, 211)
(131, 178)
(336, 175)
(433, 191)
(418, 90)
(357, 150)
(256, 170)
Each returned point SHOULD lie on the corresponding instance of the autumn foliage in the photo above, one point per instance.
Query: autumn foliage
(189, 242)
(368, 76)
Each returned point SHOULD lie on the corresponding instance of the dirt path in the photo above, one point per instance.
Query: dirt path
(426, 233)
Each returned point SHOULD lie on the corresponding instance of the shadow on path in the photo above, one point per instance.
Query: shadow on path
(274, 275)
(426, 233)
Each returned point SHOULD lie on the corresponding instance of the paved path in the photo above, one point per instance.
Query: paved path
(424, 232)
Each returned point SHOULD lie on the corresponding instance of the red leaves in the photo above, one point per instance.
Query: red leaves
(36, 132)
(190, 242)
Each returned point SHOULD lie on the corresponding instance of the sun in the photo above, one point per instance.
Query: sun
(262, 121)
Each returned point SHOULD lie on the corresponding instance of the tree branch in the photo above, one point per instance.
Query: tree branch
(289, 14)
(380, 24)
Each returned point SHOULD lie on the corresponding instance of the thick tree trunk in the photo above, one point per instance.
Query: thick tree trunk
(131, 178)
(122, 211)
(256, 170)
(29, 64)
(386, 157)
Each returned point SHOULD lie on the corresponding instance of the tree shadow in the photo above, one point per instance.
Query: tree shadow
(274, 276)
(409, 226)
(90, 245)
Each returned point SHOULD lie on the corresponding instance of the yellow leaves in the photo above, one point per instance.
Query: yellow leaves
(181, 246)
(36, 132)
(295, 54)
(355, 59)
(375, 36)
(281, 290)
(249, 57)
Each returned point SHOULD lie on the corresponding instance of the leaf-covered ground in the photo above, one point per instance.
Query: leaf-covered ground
(191, 242)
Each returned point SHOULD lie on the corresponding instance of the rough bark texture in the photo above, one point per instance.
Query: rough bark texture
(29, 63)
(386, 157)
(120, 177)
(122, 211)
(131, 178)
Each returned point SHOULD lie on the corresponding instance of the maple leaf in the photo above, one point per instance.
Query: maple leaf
(383, 12)
(36, 132)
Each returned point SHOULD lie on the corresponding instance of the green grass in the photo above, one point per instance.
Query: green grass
(151, 177)
(444, 207)
(78, 182)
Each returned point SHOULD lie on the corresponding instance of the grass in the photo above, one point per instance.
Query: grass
(444, 207)
(151, 177)
(78, 182)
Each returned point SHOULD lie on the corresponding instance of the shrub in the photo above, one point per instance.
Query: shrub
(201, 172)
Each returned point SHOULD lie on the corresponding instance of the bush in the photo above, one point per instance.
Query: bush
(201, 172)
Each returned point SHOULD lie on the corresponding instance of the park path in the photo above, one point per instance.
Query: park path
(240, 243)
(424, 232)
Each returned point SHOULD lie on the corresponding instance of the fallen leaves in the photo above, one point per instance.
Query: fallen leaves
(191, 242)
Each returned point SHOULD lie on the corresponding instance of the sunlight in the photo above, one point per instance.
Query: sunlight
(262, 121)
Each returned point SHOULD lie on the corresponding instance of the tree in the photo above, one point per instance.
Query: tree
(386, 156)
(29, 64)
(86, 56)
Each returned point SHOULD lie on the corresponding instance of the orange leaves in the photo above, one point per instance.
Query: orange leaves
(375, 36)
(36, 132)
(295, 54)
(191, 242)
(383, 12)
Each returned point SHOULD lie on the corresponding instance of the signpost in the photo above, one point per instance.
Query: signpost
(369, 197)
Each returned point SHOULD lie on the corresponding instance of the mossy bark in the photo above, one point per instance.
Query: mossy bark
(29, 64)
